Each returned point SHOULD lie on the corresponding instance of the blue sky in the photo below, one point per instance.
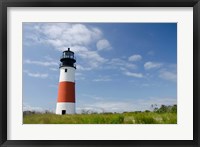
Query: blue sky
(120, 66)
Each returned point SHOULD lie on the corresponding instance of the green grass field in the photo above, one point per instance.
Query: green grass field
(115, 118)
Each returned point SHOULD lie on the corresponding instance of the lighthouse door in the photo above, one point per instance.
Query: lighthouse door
(63, 112)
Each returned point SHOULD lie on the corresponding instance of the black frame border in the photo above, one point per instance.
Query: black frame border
(4, 4)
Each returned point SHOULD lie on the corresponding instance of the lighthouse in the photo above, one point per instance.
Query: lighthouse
(66, 88)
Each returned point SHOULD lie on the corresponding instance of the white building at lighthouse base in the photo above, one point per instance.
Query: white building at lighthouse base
(65, 108)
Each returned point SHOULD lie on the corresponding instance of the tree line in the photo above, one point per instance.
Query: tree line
(155, 108)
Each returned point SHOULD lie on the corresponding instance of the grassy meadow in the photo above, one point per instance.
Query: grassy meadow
(115, 118)
(162, 115)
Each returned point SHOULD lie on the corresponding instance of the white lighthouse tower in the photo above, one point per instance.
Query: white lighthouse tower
(66, 89)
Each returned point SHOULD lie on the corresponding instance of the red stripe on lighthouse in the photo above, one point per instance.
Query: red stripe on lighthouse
(66, 92)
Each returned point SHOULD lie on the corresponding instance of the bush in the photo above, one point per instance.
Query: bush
(166, 109)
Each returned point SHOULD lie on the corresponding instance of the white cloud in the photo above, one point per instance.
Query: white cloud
(105, 105)
(123, 69)
(53, 69)
(158, 100)
(130, 66)
(80, 78)
(36, 75)
(78, 74)
(151, 65)
(110, 106)
(103, 45)
(93, 57)
(79, 37)
(135, 58)
(48, 58)
(90, 59)
(82, 68)
(168, 75)
(52, 30)
(61, 35)
(41, 63)
(119, 63)
(102, 79)
(132, 74)
(27, 107)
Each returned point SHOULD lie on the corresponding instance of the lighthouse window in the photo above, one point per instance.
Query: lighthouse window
(65, 70)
